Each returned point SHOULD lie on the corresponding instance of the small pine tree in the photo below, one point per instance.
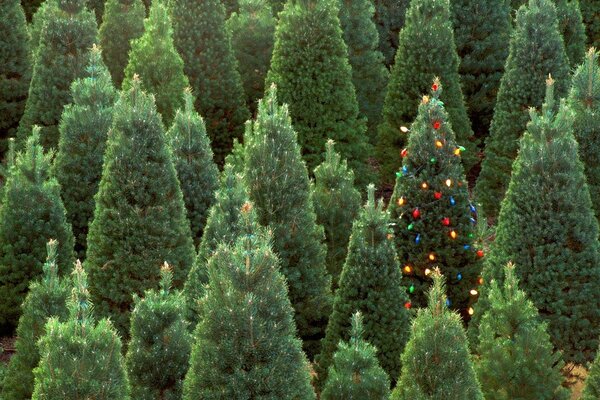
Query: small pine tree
(252, 32)
(158, 353)
(369, 73)
(123, 22)
(481, 31)
(355, 372)
(436, 363)
(31, 214)
(69, 31)
(197, 173)
(154, 58)
(433, 217)
(536, 50)
(139, 221)
(590, 9)
(79, 358)
(15, 68)
(389, 17)
(221, 227)
(592, 382)
(311, 70)
(516, 359)
(246, 346)
(204, 43)
(584, 100)
(426, 50)
(370, 283)
(279, 186)
(47, 297)
(337, 203)
(83, 131)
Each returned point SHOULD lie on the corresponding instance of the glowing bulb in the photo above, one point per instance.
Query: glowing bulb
(431, 257)
(390, 236)
(457, 152)
(407, 269)
(401, 201)
(471, 311)
(438, 144)
(473, 292)
(403, 129)
(424, 185)
(480, 280)
(453, 234)
(427, 271)
(448, 182)
(411, 289)
(407, 305)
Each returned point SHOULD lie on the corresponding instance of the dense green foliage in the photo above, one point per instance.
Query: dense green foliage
(337, 203)
(123, 22)
(204, 43)
(355, 372)
(30, 7)
(83, 131)
(426, 50)
(592, 382)
(158, 353)
(47, 297)
(139, 221)
(516, 359)
(590, 11)
(32, 213)
(37, 23)
(313, 76)
(68, 32)
(370, 283)
(389, 17)
(570, 24)
(246, 346)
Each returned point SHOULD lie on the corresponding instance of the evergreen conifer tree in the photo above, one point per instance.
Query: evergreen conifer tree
(83, 131)
(369, 73)
(481, 32)
(47, 297)
(337, 203)
(536, 50)
(590, 9)
(31, 214)
(584, 100)
(370, 283)
(311, 70)
(515, 355)
(426, 50)
(68, 32)
(123, 22)
(430, 208)
(246, 346)
(355, 372)
(547, 228)
(570, 24)
(79, 358)
(436, 363)
(15, 68)
(204, 43)
(278, 182)
(37, 23)
(154, 58)
(592, 382)
(139, 220)
(158, 353)
(389, 17)
(252, 32)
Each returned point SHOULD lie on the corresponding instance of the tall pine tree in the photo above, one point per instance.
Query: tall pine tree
(389, 17)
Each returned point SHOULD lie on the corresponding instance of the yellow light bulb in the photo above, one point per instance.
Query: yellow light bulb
(401, 201)
(471, 311)
(427, 271)
(480, 280)
(438, 143)
(407, 269)
(448, 182)
(431, 257)
(457, 152)
(453, 234)
(424, 185)
(473, 292)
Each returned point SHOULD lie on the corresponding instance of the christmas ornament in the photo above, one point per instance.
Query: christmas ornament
(446, 221)
(437, 195)
(404, 153)
(416, 213)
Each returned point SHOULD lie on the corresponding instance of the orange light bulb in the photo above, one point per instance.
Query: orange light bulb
(401, 201)
(407, 269)
(438, 144)
(431, 257)
(453, 234)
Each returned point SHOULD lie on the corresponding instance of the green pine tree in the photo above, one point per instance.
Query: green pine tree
(426, 50)
(592, 382)
(139, 220)
(15, 69)
(158, 353)
(278, 182)
(547, 228)
(337, 203)
(68, 32)
(536, 50)
(154, 58)
(355, 372)
(83, 131)
(31, 214)
(434, 221)
(123, 22)
(37, 24)
(389, 17)
(79, 358)
(369, 74)
(481, 31)
(311, 70)
(436, 364)
(252, 31)
(570, 24)
(204, 43)
(370, 283)
(515, 355)
(246, 346)
(47, 297)
(590, 10)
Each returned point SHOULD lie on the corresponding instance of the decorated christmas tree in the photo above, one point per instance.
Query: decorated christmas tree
(592, 382)
(355, 372)
(434, 221)
(371, 283)
(515, 356)
(389, 17)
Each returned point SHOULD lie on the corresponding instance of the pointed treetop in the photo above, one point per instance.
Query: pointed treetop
(166, 278)
(357, 330)
(586, 80)
(80, 306)
(371, 194)
(50, 267)
(33, 163)
(511, 283)
(188, 98)
(550, 124)
(437, 293)
(436, 88)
